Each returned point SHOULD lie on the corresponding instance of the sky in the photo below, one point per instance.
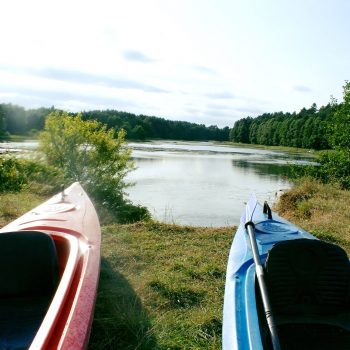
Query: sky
(205, 61)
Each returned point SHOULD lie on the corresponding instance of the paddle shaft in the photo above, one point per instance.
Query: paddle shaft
(262, 286)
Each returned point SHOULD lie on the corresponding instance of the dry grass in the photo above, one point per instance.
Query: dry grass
(161, 287)
(13, 205)
(323, 210)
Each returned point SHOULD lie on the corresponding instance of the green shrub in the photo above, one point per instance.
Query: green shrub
(16, 174)
(334, 168)
(12, 176)
(129, 213)
(86, 151)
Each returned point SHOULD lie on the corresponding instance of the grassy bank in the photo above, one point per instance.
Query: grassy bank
(21, 138)
(162, 286)
(323, 210)
(301, 151)
(13, 205)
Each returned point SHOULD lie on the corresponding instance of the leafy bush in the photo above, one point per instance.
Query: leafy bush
(334, 168)
(16, 174)
(132, 213)
(86, 151)
(12, 177)
(295, 199)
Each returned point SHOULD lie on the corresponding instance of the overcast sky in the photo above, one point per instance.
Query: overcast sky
(206, 61)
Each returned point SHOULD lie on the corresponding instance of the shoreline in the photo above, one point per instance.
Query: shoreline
(162, 285)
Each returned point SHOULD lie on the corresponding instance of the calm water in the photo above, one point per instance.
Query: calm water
(202, 183)
(199, 183)
(18, 146)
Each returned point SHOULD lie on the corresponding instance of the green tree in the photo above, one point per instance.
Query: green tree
(15, 118)
(340, 123)
(335, 164)
(89, 153)
(138, 133)
(2, 123)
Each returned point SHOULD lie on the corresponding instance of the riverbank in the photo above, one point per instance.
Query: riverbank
(162, 286)
(321, 209)
(294, 150)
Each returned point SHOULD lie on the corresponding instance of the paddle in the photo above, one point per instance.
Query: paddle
(249, 225)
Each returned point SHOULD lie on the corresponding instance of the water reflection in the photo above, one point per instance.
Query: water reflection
(202, 183)
(18, 146)
(264, 168)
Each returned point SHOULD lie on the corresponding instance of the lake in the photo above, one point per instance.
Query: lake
(199, 183)
(205, 184)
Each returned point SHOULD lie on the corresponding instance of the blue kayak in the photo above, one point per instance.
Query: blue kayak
(307, 283)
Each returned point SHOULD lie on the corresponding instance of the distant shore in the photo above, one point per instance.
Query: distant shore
(305, 152)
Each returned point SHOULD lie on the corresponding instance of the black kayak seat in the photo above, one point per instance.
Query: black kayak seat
(29, 277)
(308, 277)
(309, 288)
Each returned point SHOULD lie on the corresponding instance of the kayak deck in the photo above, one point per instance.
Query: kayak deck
(308, 282)
(310, 301)
(61, 317)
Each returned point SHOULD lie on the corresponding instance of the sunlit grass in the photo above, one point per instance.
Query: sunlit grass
(323, 210)
(13, 205)
(161, 287)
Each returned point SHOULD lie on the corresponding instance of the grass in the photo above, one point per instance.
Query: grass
(161, 287)
(20, 138)
(303, 151)
(323, 210)
(13, 205)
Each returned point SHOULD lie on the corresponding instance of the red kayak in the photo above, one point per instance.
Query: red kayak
(49, 268)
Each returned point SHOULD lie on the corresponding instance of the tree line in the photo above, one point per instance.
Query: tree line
(305, 129)
(17, 120)
(147, 127)
(334, 164)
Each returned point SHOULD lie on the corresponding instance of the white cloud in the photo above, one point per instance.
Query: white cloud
(201, 61)
(302, 88)
(134, 55)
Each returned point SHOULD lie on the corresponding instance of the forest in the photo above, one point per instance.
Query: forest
(15, 120)
(306, 129)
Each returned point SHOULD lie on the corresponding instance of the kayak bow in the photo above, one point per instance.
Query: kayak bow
(50, 257)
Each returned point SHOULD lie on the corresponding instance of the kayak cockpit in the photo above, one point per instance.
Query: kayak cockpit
(29, 273)
(36, 269)
(309, 288)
